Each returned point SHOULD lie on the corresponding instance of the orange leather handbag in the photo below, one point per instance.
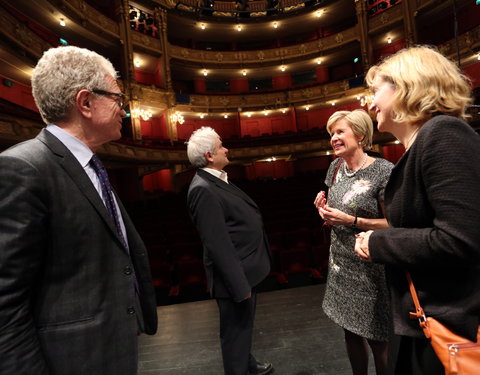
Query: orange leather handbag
(458, 355)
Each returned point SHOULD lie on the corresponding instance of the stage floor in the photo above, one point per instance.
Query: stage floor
(291, 332)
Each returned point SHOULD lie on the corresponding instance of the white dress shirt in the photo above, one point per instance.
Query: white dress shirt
(222, 175)
(83, 154)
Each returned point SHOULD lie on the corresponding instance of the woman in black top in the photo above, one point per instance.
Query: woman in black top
(432, 202)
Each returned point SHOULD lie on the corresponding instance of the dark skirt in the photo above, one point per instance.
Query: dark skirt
(412, 356)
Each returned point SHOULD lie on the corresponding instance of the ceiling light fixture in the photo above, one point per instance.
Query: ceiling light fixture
(203, 26)
(244, 72)
(137, 63)
(366, 100)
(145, 115)
(205, 72)
(177, 117)
(283, 68)
(225, 116)
(275, 25)
(62, 22)
(239, 27)
(202, 115)
(318, 61)
(307, 108)
(319, 13)
(389, 40)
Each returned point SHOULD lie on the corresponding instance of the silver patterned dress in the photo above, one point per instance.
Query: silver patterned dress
(356, 296)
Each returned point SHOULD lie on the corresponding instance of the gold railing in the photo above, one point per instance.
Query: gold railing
(230, 9)
(21, 35)
(268, 55)
(91, 19)
(146, 42)
(321, 93)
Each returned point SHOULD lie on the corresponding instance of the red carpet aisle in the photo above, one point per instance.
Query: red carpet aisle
(291, 331)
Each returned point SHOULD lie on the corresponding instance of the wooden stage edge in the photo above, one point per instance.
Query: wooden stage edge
(291, 332)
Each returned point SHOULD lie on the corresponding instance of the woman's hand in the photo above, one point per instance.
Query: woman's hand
(320, 202)
(335, 217)
(361, 245)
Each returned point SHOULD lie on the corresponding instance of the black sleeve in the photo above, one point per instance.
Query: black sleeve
(450, 172)
(208, 216)
(22, 246)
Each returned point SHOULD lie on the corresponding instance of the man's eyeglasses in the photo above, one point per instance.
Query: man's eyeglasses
(122, 99)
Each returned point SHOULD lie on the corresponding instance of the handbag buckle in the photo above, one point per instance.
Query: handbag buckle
(453, 349)
(420, 315)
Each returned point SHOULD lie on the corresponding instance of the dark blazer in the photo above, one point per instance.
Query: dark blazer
(236, 252)
(67, 298)
(432, 203)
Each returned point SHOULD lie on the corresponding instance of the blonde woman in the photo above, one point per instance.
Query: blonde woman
(432, 202)
(356, 292)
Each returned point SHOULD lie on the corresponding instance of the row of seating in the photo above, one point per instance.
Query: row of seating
(298, 245)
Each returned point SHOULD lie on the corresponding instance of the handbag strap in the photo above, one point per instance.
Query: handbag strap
(419, 313)
(325, 225)
(336, 171)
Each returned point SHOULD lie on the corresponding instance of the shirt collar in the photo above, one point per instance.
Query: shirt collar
(222, 175)
(79, 149)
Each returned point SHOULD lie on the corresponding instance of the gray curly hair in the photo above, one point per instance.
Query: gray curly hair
(201, 141)
(61, 73)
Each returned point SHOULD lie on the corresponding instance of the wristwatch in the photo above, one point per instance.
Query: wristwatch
(354, 225)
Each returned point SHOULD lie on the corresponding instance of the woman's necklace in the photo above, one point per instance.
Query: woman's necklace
(353, 173)
(411, 139)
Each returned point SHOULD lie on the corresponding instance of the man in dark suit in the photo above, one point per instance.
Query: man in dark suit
(75, 285)
(236, 253)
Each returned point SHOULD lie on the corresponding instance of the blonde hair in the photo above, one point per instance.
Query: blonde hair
(360, 122)
(425, 82)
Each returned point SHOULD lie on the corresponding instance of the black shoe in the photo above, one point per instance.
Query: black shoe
(262, 369)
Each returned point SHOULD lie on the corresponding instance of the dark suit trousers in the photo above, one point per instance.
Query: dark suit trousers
(236, 328)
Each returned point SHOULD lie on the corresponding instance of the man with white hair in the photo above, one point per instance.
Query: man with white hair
(75, 284)
(236, 251)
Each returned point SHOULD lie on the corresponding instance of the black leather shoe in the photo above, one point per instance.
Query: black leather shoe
(262, 369)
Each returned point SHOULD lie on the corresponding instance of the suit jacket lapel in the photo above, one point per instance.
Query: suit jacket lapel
(230, 187)
(76, 172)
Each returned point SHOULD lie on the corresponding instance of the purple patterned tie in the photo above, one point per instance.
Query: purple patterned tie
(107, 195)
